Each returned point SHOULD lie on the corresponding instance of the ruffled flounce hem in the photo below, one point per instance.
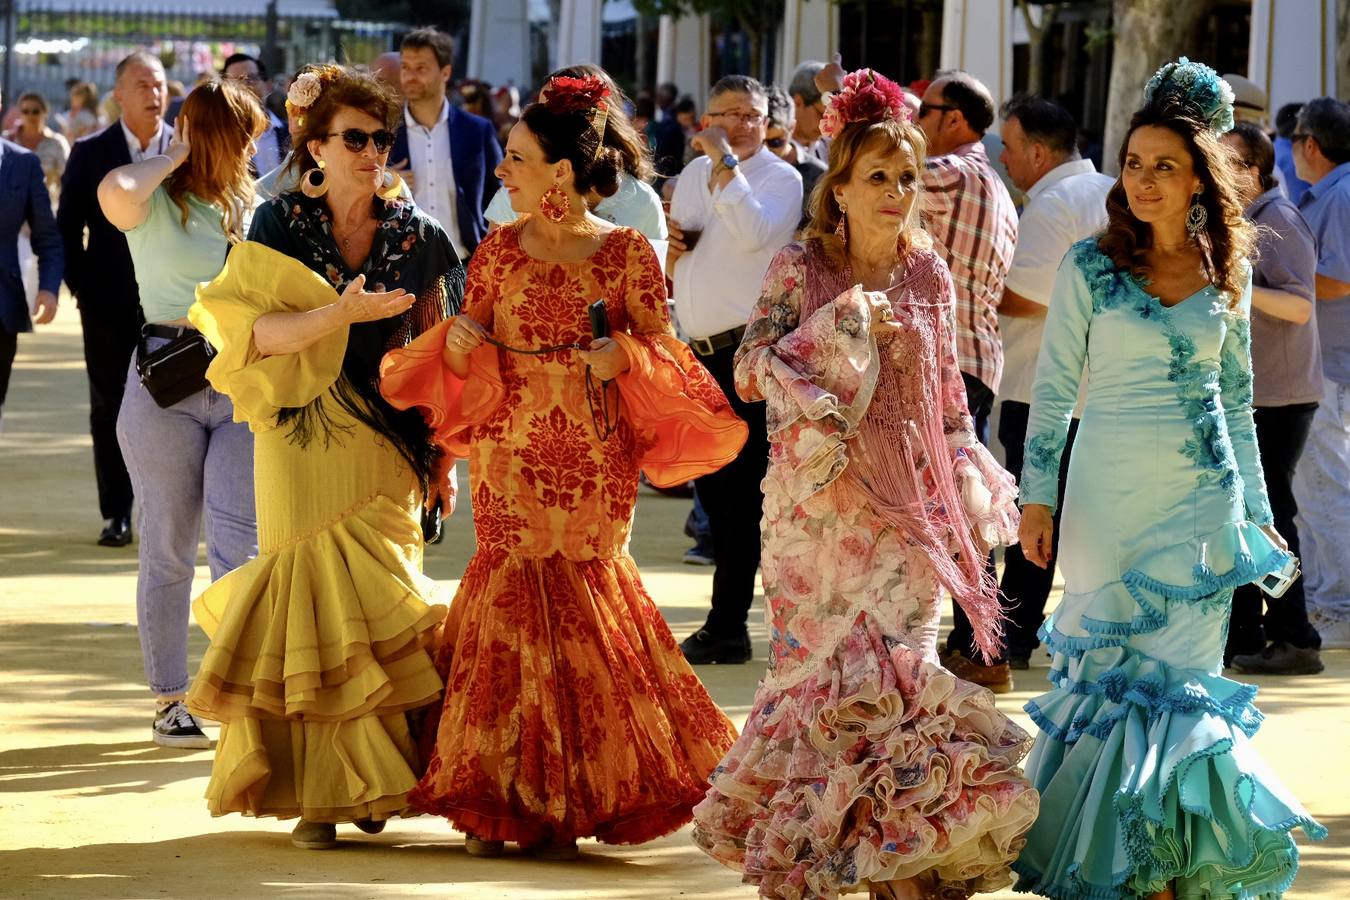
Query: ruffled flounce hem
(569, 710)
(880, 767)
(1145, 771)
(317, 650)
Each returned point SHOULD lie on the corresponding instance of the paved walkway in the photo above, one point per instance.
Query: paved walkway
(92, 809)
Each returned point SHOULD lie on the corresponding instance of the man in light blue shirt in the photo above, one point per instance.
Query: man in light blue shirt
(1322, 486)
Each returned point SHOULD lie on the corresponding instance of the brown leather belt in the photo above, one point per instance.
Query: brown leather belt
(709, 345)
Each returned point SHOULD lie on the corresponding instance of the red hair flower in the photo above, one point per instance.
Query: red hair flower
(866, 96)
(567, 95)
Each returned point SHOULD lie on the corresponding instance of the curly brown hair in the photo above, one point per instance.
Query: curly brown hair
(1228, 240)
(856, 139)
(341, 87)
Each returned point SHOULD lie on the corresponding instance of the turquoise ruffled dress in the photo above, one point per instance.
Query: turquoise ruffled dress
(1144, 765)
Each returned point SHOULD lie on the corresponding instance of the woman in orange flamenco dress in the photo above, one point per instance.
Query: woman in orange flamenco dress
(569, 711)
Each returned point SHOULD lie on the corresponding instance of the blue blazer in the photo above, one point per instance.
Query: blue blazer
(24, 199)
(474, 155)
(100, 275)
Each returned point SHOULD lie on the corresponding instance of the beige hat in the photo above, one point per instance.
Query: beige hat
(1248, 98)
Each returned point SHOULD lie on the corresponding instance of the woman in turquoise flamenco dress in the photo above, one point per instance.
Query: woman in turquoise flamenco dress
(1149, 786)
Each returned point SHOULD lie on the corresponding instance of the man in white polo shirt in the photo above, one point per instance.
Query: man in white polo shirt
(733, 209)
(1065, 202)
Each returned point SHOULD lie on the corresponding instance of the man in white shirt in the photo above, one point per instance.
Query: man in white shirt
(275, 141)
(1065, 203)
(447, 154)
(734, 208)
(100, 274)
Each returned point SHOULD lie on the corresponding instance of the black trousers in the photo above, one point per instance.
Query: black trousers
(733, 498)
(1026, 586)
(9, 347)
(109, 342)
(980, 401)
(1281, 432)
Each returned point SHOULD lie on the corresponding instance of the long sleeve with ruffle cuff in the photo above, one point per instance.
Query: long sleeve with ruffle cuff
(816, 376)
(685, 426)
(258, 280)
(417, 376)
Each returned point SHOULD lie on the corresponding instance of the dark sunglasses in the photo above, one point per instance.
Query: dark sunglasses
(776, 143)
(926, 108)
(31, 111)
(355, 139)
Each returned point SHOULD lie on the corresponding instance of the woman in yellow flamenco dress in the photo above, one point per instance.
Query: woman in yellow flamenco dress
(320, 646)
(569, 711)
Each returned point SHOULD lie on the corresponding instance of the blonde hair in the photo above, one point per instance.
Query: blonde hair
(222, 118)
(857, 138)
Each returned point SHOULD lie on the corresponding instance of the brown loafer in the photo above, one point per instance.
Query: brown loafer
(997, 678)
(309, 835)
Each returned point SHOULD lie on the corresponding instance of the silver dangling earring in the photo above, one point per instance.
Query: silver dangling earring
(314, 184)
(1196, 217)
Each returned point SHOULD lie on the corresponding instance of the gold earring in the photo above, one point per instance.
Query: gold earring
(393, 185)
(314, 184)
(841, 229)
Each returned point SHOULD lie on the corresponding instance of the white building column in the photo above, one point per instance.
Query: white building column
(499, 42)
(683, 51)
(1293, 51)
(977, 37)
(810, 31)
(578, 33)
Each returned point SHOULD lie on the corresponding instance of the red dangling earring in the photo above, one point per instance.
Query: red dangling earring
(554, 204)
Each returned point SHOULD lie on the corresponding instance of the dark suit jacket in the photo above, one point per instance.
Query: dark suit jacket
(24, 199)
(474, 154)
(101, 275)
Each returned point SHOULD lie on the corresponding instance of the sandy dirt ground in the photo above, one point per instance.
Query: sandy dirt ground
(91, 808)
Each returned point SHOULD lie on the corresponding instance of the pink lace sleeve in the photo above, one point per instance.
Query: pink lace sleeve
(988, 491)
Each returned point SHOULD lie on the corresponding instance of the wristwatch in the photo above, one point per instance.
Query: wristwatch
(729, 161)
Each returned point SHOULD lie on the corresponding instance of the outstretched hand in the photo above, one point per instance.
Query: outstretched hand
(358, 305)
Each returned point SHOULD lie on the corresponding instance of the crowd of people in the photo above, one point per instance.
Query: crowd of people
(338, 298)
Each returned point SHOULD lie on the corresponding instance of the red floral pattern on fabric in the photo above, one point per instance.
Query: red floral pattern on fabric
(569, 710)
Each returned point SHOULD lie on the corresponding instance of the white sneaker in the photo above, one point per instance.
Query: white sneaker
(1335, 633)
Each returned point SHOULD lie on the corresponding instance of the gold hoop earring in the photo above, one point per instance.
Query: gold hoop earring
(314, 183)
(393, 185)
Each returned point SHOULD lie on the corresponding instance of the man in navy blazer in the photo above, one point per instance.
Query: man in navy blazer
(24, 200)
(450, 156)
(101, 276)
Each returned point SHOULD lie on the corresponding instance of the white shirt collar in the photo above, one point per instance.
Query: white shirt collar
(1059, 173)
(413, 123)
(158, 143)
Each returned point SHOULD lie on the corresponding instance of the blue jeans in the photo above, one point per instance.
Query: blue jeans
(1322, 488)
(183, 460)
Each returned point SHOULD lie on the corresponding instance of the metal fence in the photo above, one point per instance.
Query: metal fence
(60, 40)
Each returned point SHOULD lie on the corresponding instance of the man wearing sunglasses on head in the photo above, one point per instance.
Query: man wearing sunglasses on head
(778, 138)
(446, 154)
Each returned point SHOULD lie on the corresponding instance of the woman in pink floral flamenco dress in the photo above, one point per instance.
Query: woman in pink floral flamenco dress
(569, 711)
(864, 764)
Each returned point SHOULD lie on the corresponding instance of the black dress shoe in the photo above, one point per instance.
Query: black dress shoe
(117, 533)
(704, 647)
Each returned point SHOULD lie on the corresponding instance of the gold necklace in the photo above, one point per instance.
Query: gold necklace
(347, 240)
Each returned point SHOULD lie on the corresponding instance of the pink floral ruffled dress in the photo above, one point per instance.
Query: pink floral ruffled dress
(863, 760)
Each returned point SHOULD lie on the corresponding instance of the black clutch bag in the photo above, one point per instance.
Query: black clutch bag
(176, 370)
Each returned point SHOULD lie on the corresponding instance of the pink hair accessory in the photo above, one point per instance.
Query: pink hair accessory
(867, 96)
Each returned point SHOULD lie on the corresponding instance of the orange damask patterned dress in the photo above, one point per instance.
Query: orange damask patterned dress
(569, 710)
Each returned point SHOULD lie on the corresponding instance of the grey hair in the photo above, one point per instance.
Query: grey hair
(137, 58)
(803, 83)
(739, 84)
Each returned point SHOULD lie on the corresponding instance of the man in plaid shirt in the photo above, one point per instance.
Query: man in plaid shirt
(971, 217)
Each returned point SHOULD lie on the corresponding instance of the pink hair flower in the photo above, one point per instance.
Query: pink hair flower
(867, 96)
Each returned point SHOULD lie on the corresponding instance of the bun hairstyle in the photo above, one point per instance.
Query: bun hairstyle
(1191, 101)
(565, 122)
(619, 131)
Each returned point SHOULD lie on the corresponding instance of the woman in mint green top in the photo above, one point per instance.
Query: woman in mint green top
(1149, 785)
(189, 461)
(635, 204)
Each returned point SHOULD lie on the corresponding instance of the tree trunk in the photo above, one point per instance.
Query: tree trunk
(1147, 33)
(1342, 87)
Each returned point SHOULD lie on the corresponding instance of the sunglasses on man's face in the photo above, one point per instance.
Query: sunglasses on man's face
(356, 139)
(926, 108)
(776, 143)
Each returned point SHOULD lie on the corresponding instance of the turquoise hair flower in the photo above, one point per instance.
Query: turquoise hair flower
(1196, 86)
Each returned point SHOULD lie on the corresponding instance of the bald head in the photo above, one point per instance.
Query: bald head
(142, 93)
(386, 68)
(957, 110)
